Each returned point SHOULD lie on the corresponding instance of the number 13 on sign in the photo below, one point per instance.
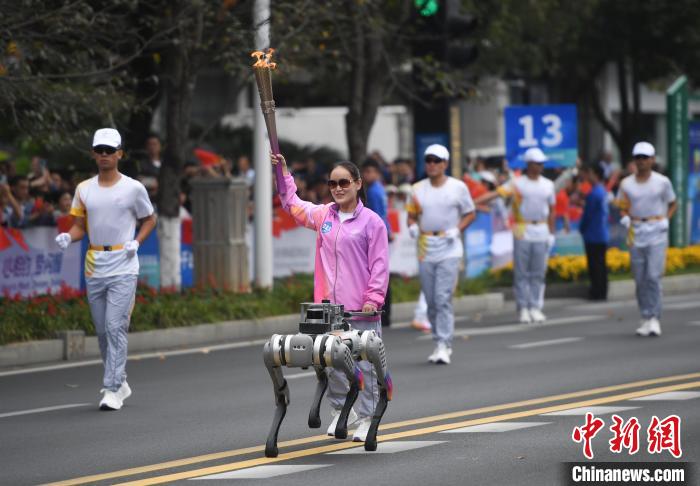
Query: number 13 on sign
(552, 125)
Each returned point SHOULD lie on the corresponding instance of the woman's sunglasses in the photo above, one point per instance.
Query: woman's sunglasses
(343, 183)
(104, 150)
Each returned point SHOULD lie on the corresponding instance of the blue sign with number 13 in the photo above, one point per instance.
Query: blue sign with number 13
(552, 128)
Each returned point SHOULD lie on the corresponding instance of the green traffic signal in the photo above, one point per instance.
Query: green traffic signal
(427, 8)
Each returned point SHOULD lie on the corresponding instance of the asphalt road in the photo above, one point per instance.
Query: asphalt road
(491, 417)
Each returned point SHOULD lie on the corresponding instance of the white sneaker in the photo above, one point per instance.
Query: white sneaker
(361, 433)
(335, 415)
(537, 315)
(654, 327)
(645, 328)
(443, 354)
(124, 391)
(110, 400)
(433, 357)
(525, 317)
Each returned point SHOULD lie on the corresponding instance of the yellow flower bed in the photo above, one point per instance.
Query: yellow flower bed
(572, 267)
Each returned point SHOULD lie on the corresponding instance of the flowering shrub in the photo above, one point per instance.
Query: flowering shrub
(572, 268)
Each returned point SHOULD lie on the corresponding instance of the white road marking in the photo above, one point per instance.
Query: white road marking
(507, 328)
(682, 305)
(593, 410)
(677, 395)
(300, 375)
(549, 342)
(495, 427)
(137, 357)
(43, 409)
(694, 323)
(263, 472)
(391, 447)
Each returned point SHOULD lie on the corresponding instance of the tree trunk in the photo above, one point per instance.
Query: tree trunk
(180, 78)
(623, 90)
(366, 90)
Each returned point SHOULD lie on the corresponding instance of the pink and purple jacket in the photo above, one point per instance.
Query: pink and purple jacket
(352, 257)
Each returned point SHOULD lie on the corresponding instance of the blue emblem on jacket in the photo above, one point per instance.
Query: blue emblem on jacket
(326, 228)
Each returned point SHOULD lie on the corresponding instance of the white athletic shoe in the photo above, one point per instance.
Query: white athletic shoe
(654, 327)
(335, 415)
(124, 391)
(443, 354)
(537, 315)
(433, 357)
(110, 400)
(525, 317)
(361, 433)
(645, 328)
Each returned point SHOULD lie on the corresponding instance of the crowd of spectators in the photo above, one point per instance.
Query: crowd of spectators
(42, 197)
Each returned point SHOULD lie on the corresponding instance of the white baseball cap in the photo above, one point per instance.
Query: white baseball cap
(643, 148)
(107, 136)
(535, 154)
(488, 176)
(439, 151)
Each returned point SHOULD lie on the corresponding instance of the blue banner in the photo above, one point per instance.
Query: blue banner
(477, 245)
(694, 181)
(552, 128)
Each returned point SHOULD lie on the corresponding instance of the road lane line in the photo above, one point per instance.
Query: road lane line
(264, 472)
(397, 435)
(43, 409)
(300, 375)
(593, 410)
(671, 396)
(550, 342)
(138, 357)
(513, 327)
(495, 427)
(391, 447)
(320, 438)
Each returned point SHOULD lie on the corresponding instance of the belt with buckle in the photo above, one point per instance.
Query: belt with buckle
(648, 219)
(106, 247)
(432, 233)
(536, 222)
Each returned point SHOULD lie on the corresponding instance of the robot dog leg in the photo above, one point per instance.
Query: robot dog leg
(372, 350)
(271, 356)
(341, 359)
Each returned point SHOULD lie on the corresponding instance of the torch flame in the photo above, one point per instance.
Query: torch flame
(264, 59)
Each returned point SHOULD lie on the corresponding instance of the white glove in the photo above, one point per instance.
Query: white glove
(413, 231)
(131, 248)
(63, 240)
(551, 240)
(625, 221)
(452, 233)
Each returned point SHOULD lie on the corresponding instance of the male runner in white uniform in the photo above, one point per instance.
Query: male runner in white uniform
(108, 207)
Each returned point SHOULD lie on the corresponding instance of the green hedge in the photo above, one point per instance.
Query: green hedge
(40, 317)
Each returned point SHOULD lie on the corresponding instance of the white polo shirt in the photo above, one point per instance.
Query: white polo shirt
(648, 199)
(531, 202)
(111, 214)
(439, 209)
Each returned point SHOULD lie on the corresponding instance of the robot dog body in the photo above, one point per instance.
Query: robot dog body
(326, 340)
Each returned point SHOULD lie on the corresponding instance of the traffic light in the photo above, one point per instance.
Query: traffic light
(442, 42)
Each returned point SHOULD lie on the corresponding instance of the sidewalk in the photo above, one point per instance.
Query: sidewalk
(76, 347)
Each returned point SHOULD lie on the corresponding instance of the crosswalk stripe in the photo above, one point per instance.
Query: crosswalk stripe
(549, 342)
(601, 410)
(679, 395)
(495, 427)
(391, 447)
(263, 472)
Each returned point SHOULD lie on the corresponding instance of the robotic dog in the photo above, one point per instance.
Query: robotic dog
(325, 339)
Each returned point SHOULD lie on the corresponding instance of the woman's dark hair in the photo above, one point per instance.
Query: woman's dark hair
(355, 174)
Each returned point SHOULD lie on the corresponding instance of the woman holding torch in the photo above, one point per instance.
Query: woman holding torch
(351, 268)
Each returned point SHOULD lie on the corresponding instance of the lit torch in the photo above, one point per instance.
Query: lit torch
(263, 69)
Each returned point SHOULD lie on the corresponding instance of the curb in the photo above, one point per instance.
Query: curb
(51, 350)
